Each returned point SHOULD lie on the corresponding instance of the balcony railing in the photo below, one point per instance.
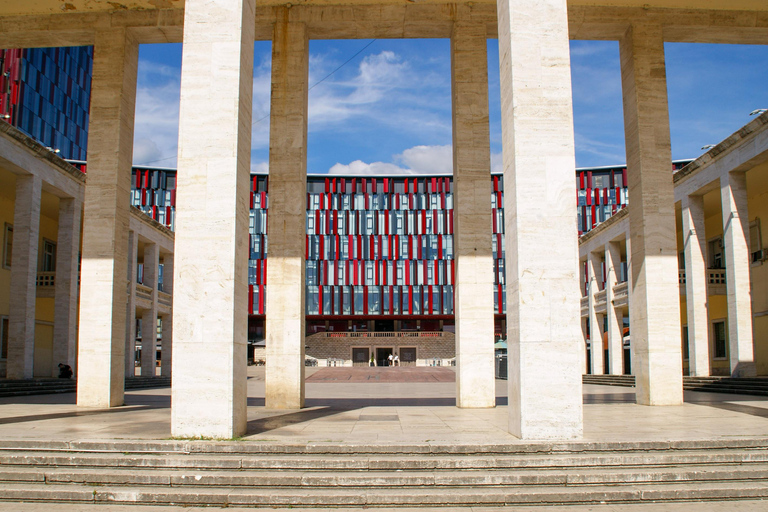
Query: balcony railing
(414, 334)
(164, 298)
(621, 294)
(143, 292)
(46, 279)
(600, 302)
(585, 306)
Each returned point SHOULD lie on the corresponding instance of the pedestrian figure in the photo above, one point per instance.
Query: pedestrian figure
(65, 371)
(389, 360)
(397, 360)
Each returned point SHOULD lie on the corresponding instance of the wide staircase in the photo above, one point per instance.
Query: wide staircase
(263, 474)
(757, 386)
(25, 387)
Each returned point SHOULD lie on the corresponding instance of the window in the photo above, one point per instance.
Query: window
(48, 260)
(755, 242)
(4, 337)
(719, 339)
(685, 343)
(7, 246)
(716, 254)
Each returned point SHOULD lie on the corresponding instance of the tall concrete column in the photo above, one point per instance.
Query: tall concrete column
(149, 316)
(694, 247)
(733, 195)
(130, 311)
(101, 347)
(21, 318)
(595, 320)
(614, 321)
(287, 210)
(166, 347)
(211, 245)
(542, 254)
(655, 304)
(475, 382)
(65, 290)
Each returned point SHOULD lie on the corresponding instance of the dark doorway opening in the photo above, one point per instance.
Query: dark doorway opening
(382, 356)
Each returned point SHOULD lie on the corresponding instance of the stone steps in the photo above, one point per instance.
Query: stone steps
(29, 387)
(609, 380)
(757, 386)
(386, 497)
(258, 474)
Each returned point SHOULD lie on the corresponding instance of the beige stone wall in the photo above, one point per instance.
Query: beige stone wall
(427, 348)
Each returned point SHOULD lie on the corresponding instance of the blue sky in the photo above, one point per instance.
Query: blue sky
(388, 110)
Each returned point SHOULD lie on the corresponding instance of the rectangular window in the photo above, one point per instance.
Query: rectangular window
(48, 258)
(685, 343)
(716, 254)
(755, 242)
(7, 246)
(719, 338)
(4, 337)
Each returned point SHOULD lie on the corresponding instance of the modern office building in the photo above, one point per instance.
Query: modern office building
(46, 93)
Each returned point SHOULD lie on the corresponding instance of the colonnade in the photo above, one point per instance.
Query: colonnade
(33, 174)
(210, 319)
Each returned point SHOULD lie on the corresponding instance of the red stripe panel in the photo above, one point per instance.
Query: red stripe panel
(250, 299)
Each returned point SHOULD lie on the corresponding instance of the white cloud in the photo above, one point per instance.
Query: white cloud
(415, 160)
(156, 131)
(259, 167)
(497, 162)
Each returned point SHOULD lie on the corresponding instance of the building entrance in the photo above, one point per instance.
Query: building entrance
(382, 355)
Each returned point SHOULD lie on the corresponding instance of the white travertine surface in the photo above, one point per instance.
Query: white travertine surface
(694, 248)
(614, 319)
(21, 318)
(210, 319)
(66, 284)
(542, 285)
(733, 197)
(287, 211)
(101, 347)
(475, 385)
(149, 316)
(166, 344)
(130, 310)
(655, 303)
(597, 353)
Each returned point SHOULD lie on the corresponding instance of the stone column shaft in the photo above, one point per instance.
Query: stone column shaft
(166, 348)
(21, 318)
(695, 247)
(149, 316)
(655, 305)
(66, 287)
(211, 245)
(101, 357)
(475, 382)
(541, 246)
(733, 195)
(595, 320)
(287, 209)
(130, 312)
(614, 320)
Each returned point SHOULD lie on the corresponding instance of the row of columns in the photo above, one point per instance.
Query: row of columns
(209, 394)
(735, 217)
(608, 255)
(149, 315)
(24, 257)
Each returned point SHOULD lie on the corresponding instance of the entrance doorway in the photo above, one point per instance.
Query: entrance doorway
(382, 356)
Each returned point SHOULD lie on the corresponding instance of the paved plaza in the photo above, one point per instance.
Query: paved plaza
(379, 405)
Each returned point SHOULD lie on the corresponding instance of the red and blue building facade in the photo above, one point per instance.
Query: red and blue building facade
(46, 92)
